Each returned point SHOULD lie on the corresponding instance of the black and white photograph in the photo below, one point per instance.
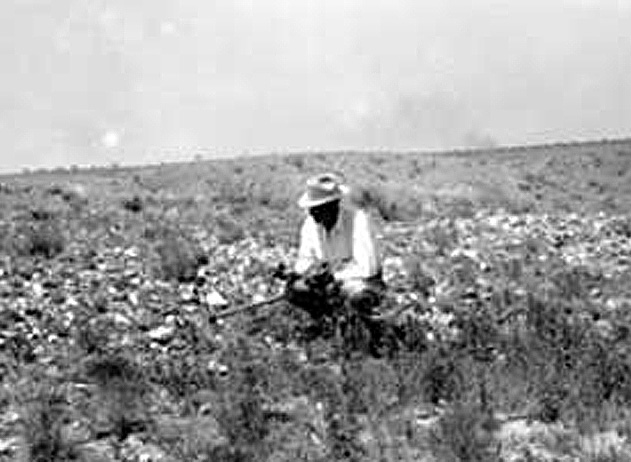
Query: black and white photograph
(315, 230)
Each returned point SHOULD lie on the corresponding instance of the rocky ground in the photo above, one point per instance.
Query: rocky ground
(508, 337)
(92, 302)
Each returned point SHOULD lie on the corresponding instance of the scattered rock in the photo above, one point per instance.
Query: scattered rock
(202, 430)
(135, 450)
(214, 299)
(492, 252)
(8, 446)
(98, 451)
(162, 334)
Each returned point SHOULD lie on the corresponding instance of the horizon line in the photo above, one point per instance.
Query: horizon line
(247, 153)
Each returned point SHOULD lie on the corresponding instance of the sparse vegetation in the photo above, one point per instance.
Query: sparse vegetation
(133, 204)
(389, 202)
(44, 416)
(42, 237)
(509, 340)
(464, 433)
(121, 394)
(179, 257)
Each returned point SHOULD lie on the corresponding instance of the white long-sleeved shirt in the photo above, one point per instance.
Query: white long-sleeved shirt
(350, 247)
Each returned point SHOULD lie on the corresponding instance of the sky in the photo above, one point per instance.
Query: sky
(96, 82)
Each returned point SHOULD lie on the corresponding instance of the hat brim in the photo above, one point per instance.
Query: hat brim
(305, 203)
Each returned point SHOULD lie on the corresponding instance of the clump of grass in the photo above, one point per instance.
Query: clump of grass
(55, 190)
(610, 455)
(442, 236)
(242, 418)
(372, 385)
(5, 188)
(74, 195)
(240, 408)
(122, 391)
(75, 198)
(390, 201)
(228, 230)
(91, 337)
(179, 257)
(134, 204)
(421, 278)
(377, 198)
(46, 240)
(462, 207)
(271, 197)
(108, 368)
(41, 237)
(42, 214)
(180, 377)
(296, 161)
(440, 375)
(45, 415)
(464, 434)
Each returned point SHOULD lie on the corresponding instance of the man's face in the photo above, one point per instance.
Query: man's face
(326, 214)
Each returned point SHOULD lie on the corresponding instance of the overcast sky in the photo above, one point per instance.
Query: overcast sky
(131, 81)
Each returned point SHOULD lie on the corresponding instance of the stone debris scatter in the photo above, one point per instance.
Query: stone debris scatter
(108, 296)
(42, 300)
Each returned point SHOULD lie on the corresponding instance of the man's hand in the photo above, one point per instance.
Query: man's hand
(319, 275)
(296, 288)
(281, 272)
(317, 282)
(294, 282)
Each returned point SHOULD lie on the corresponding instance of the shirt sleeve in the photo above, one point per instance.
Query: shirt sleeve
(307, 251)
(365, 261)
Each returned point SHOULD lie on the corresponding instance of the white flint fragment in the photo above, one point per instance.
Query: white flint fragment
(214, 298)
(161, 333)
(133, 298)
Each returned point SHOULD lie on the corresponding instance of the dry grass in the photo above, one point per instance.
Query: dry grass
(262, 384)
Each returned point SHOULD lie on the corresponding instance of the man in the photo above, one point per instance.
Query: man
(340, 238)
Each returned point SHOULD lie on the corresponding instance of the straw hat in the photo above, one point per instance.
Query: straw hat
(323, 188)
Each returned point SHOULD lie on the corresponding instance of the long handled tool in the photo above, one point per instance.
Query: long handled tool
(241, 309)
(281, 273)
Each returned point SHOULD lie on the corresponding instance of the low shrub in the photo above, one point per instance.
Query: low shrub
(371, 385)
(442, 236)
(179, 257)
(134, 204)
(44, 416)
(228, 230)
(422, 280)
(42, 214)
(296, 161)
(122, 391)
(5, 189)
(55, 190)
(90, 337)
(40, 238)
(441, 375)
(182, 376)
(384, 202)
(464, 433)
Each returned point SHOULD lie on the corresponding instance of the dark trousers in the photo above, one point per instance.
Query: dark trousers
(319, 304)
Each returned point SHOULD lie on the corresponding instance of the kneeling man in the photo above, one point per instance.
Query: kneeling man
(341, 237)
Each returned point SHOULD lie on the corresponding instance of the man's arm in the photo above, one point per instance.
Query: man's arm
(365, 261)
(307, 251)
